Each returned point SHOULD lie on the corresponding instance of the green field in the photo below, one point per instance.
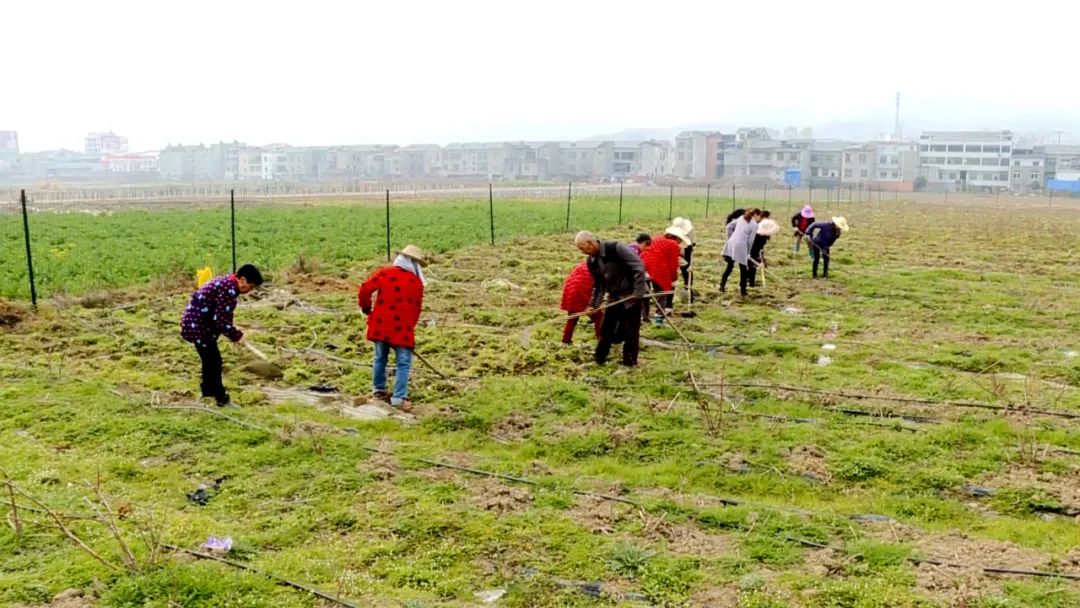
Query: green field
(75, 253)
(751, 496)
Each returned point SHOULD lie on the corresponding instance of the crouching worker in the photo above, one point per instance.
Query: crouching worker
(210, 314)
(576, 295)
(392, 321)
(618, 272)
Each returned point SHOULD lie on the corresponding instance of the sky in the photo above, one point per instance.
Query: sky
(328, 72)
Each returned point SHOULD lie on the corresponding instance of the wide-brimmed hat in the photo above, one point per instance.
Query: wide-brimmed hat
(767, 227)
(684, 224)
(678, 232)
(841, 223)
(414, 252)
(807, 211)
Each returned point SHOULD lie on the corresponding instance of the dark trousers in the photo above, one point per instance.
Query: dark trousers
(666, 301)
(622, 323)
(818, 254)
(571, 324)
(754, 270)
(727, 272)
(688, 255)
(211, 370)
(744, 275)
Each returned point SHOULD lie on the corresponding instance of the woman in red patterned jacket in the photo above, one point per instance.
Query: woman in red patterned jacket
(392, 321)
(577, 294)
(661, 259)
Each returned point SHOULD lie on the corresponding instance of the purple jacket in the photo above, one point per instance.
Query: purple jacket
(210, 312)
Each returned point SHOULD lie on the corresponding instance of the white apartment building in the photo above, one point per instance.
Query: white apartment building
(964, 160)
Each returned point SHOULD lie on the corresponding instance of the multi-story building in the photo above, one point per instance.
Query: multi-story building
(897, 162)
(766, 159)
(282, 163)
(699, 155)
(657, 159)
(966, 160)
(859, 164)
(1061, 159)
(223, 161)
(419, 160)
(145, 162)
(184, 162)
(1028, 170)
(9, 145)
(106, 144)
(249, 164)
(586, 159)
(826, 163)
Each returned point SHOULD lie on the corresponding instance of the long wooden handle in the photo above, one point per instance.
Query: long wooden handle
(258, 353)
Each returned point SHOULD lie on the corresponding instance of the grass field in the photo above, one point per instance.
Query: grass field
(733, 492)
(75, 253)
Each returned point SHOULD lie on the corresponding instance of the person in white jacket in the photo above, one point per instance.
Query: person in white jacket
(741, 233)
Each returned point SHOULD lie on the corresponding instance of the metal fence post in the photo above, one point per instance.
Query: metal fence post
(733, 198)
(29, 257)
(232, 214)
(765, 199)
(569, 193)
(670, 201)
(708, 192)
(620, 201)
(789, 199)
(387, 224)
(491, 212)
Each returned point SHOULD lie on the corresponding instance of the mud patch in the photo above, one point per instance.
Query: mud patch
(1065, 488)
(960, 586)
(71, 598)
(597, 515)
(716, 597)
(501, 498)
(688, 539)
(381, 467)
(9, 315)
(514, 427)
(809, 461)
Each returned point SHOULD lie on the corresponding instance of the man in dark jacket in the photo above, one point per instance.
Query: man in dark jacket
(618, 272)
(822, 235)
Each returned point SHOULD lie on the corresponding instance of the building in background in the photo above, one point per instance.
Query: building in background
(184, 163)
(859, 164)
(9, 145)
(106, 144)
(223, 161)
(419, 160)
(826, 163)
(699, 155)
(766, 159)
(282, 163)
(966, 160)
(1061, 158)
(657, 159)
(1028, 170)
(144, 162)
(897, 164)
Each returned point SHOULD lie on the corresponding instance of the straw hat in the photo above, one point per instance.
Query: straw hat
(414, 252)
(807, 212)
(678, 232)
(683, 224)
(767, 227)
(841, 223)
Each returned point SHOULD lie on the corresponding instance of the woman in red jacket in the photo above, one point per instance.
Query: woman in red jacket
(392, 322)
(661, 259)
(577, 293)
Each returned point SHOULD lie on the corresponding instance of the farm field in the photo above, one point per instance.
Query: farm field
(78, 252)
(896, 436)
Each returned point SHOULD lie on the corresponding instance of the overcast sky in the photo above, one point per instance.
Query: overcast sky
(322, 72)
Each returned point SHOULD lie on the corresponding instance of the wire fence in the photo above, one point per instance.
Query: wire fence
(54, 246)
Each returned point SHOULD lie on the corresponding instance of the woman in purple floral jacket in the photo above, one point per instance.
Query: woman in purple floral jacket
(210, 314)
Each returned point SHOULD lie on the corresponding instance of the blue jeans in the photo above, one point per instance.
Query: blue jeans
(403, 365)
